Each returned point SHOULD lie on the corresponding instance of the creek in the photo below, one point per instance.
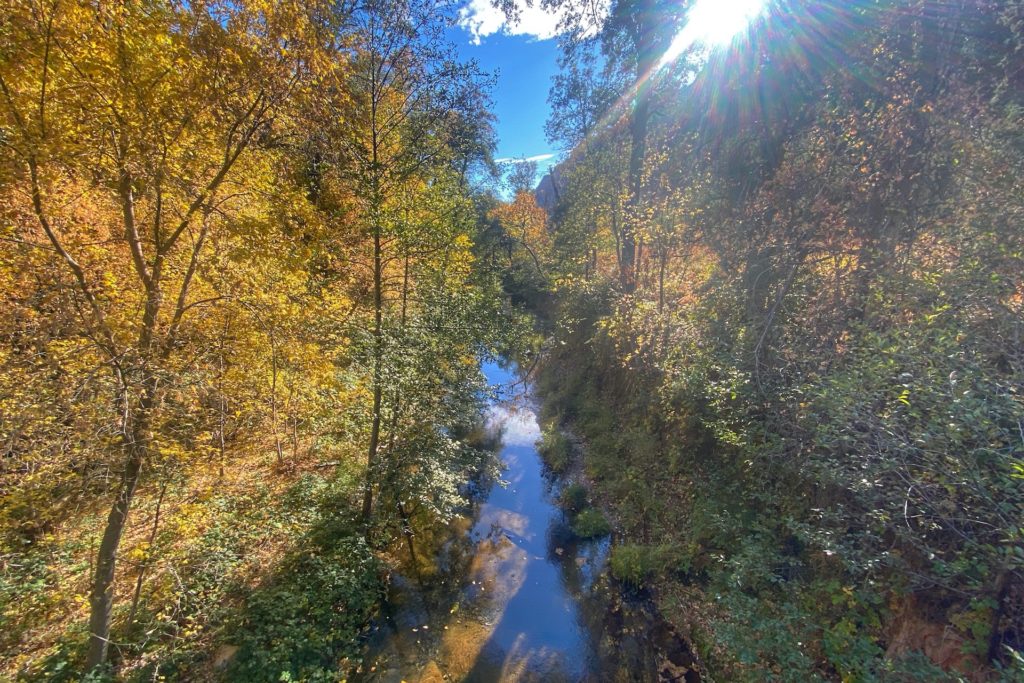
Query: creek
(516, 596)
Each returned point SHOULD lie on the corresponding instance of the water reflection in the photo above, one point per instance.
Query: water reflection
(518, 425)
(537, 632)
(528, 602)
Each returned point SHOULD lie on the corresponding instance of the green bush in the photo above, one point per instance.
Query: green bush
(590, 523)
(636, 564)
(556, 450)
(633, 564)
(573, 498)
(310, 616)
(605, 457)
(759, 636)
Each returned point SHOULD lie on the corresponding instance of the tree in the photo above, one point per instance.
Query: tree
(633, 36)
(159, 106)
(522, 176)
(396, 117)
(524, 225)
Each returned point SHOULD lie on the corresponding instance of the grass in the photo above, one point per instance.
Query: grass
(556, 450)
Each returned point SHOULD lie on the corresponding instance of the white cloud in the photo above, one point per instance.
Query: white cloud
(481, 18)
(519, 427)
(523, 160)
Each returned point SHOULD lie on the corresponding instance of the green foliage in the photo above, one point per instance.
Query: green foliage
(813, 395)
(792, 546)
(919, 404)
(636, 564)
(591, 523)
(573, 497)
(1013, 671)
(26, 592)
(307, 617)
(764, 641)
(631, 564)
(556, 450)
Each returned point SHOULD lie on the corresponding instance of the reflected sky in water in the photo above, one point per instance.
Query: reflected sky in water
(519, 613)
(537, 625)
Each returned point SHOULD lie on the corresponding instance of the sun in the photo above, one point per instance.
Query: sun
(713, 23)
(717, 22)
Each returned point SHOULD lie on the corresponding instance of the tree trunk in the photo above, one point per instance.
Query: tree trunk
(220, 434)
(145, 563)
(138, 437)
(295, 437)
(273, 398)
(638, 120)
(101, 599)
(661, 280)
(378, 373)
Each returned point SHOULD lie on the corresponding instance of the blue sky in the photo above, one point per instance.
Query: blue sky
(524, 55)
(525, 58)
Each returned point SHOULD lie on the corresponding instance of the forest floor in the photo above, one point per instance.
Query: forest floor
(217, 536)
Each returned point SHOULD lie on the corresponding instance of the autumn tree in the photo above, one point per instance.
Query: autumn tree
(628, 39)
(403, 114)
(523, 223)
(160, 108)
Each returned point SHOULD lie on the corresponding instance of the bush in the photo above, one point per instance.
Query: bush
(573, 498)
(310, 616)
(633, 564)
(758, 635)
(636, 564)
(556, 450)
(590, 523)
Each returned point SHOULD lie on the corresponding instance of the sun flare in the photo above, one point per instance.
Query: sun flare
(713, 23)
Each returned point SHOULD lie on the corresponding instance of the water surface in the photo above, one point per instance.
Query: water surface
(518, 597)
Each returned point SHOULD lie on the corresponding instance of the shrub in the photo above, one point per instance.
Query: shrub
(633, 564)
(310, 616)
(590, 523)
(556, 450)
(573, 498)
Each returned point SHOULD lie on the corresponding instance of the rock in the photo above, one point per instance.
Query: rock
(913, 631)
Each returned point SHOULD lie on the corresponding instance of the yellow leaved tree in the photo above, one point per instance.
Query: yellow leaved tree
(137, 139)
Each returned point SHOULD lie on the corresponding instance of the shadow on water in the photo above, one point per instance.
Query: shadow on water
(520, 597)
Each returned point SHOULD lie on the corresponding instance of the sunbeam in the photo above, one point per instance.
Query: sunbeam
(713, 23)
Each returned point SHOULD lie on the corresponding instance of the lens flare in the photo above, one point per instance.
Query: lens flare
(713, 23)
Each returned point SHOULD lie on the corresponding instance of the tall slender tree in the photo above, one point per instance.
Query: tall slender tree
(404, 110)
